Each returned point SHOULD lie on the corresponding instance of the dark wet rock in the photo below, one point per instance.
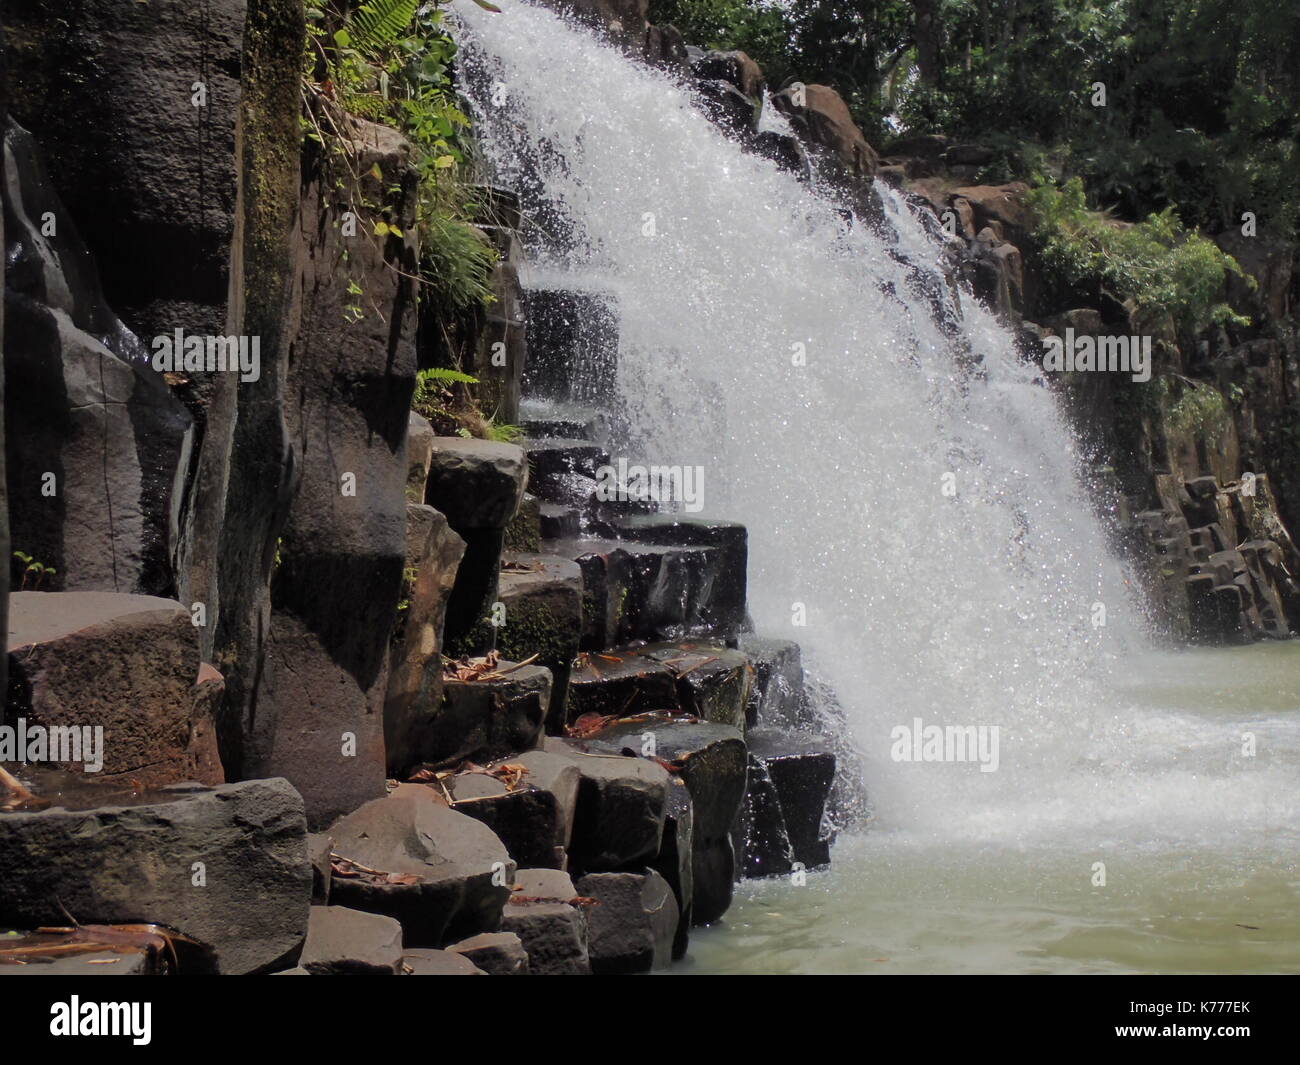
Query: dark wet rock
(344, 942)
(433, 554)
(487, 718)
(712, 760)
(785, 150)
(728, 107)
(995, 272)
(639, 591)
(735, 67)
(801, 768)
(569, 421)
(459, 870)
(542, 600)
(127, 663)
(968, 155)
(675, 860)
(572, 345)
(761, 841)
(559, 522)
(248, 840)
(535, 820)
(621, 807)
(712, 682)
(553, 462)
(631, 927)
(928, 146)
(495, 953)
(621, 683)
(424, 961)
(723, 604)
(778, 696)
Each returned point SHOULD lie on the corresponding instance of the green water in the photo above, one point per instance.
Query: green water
(1201, 848)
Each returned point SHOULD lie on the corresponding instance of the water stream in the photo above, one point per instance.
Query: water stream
(918, 525)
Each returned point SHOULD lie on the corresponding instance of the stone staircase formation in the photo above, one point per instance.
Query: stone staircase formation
(666, 751)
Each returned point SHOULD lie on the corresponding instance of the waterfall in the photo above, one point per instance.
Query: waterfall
(909, 487)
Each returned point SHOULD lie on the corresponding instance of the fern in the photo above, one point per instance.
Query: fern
(381, 22)
(445, 376)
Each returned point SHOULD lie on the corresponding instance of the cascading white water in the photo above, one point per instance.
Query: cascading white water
(966, 609)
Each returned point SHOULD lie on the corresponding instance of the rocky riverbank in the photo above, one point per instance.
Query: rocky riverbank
(366, 697)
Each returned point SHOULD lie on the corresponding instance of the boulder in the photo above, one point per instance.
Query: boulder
(495, 953)
(542, 600)
(632, 925)
(621, 807)
(433, 554)
(535, 819)
(486, 718)
(344, 942)
(735, 67)
(620, 683)
(424, 961)
(760, 838)
(138, 862)
(1002, 208)
(441, 874)
(551, 928)
(712, 760)
(478, 485)
(801, 768)
(824, 122)
(713, 682)
(126, 663)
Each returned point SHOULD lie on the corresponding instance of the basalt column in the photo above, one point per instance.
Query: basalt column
(339, 577)
(246, 475)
